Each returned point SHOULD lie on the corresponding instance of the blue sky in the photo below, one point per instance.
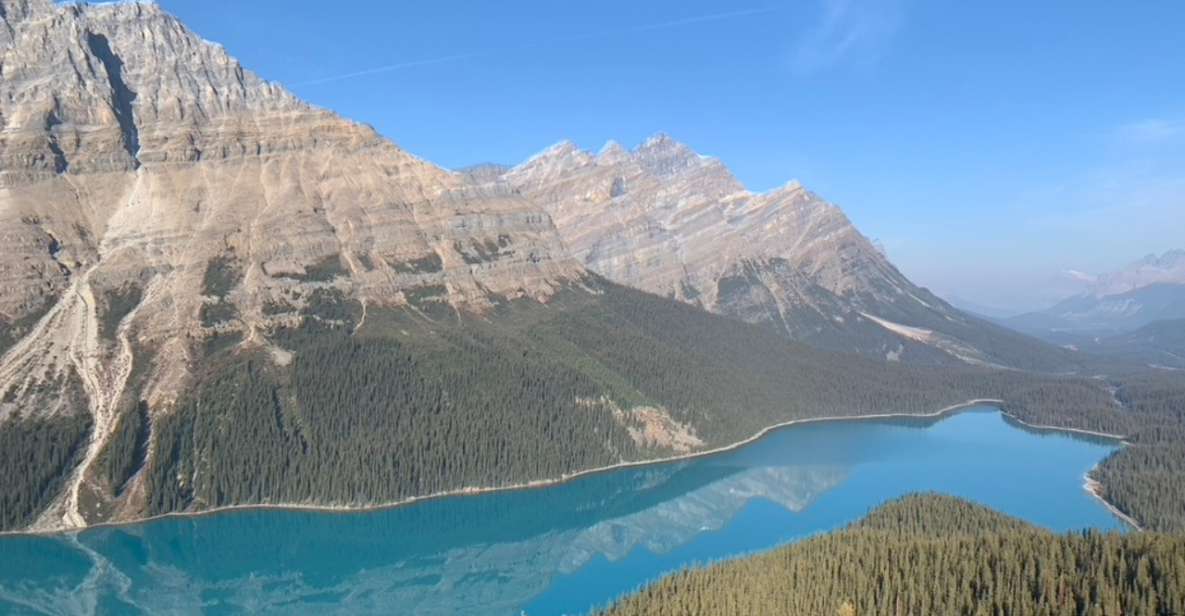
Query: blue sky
(987, 146)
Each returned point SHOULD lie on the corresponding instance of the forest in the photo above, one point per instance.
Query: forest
(37, 455)
(930, 554)
(1146, 478)
(422, 400)
(408, 405)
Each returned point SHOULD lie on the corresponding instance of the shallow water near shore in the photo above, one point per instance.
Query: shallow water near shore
(559, 549)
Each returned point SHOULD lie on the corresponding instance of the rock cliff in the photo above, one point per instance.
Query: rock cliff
(667, 220)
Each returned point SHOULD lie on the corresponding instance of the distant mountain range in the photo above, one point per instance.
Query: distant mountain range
(1167, 268)
(1135, 315)
(1149, 290)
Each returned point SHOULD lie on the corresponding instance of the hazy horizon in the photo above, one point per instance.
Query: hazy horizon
(999, 153)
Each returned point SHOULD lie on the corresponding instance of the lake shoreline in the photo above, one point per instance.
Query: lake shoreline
(1081, 431)
(1095, 488)
(1092, 486)
(546, 483)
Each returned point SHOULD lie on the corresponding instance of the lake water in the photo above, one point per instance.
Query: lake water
(555, 550)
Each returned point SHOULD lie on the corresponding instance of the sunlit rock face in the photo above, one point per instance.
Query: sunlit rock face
(665, 219)
(136, 158)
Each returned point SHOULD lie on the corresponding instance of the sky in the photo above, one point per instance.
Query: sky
(987, 146)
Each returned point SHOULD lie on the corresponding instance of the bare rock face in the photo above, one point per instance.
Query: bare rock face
(147, 178)
(666, 220)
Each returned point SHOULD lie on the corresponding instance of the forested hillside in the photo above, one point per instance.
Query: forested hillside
(933, 554)
(341, 409)
(415, 402)
(1145, 479)
(1161, 344)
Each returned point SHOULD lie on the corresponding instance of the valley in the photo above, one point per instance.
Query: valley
(256, 350)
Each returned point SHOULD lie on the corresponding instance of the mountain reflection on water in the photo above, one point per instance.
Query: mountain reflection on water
(550, 550)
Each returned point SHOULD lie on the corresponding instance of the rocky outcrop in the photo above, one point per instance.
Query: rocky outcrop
(155, 194)
(666, 220)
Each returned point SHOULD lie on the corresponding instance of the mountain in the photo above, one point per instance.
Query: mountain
(1166, 268)
(215, 295)
(1148, 290)
(1083, 317)
(159, 202)
(669, 221)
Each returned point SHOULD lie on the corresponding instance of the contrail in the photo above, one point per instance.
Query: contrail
(701, 19)
(388, 68)
(572, 39)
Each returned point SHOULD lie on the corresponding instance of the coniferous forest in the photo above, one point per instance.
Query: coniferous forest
(928, 554)
(415, 401)
(406, 405)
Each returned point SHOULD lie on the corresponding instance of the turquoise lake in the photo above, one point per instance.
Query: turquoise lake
(556, 550)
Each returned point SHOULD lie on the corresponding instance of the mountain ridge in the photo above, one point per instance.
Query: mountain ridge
(217, 294)
(664, 219)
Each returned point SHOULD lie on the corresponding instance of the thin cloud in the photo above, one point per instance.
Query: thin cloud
(666, 25)
(846, 29)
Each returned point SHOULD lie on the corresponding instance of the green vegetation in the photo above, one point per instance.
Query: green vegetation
(12, 332)
(368, 419)
(324, 270)
(115, 305)
(429, 264)
(426, 399)
(36, 455)
(218, 312)
(222, 275)
(365, 261)
(127, 448)
(1161, 343)
(482, 251)
(423, 399)
(220, 342)
(935, 555)
(1146, 479)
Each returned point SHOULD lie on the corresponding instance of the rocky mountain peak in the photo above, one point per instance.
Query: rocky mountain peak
(1170, 258)
(663, 155)
(667, 220)
(612, 153)
(1166, 268)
